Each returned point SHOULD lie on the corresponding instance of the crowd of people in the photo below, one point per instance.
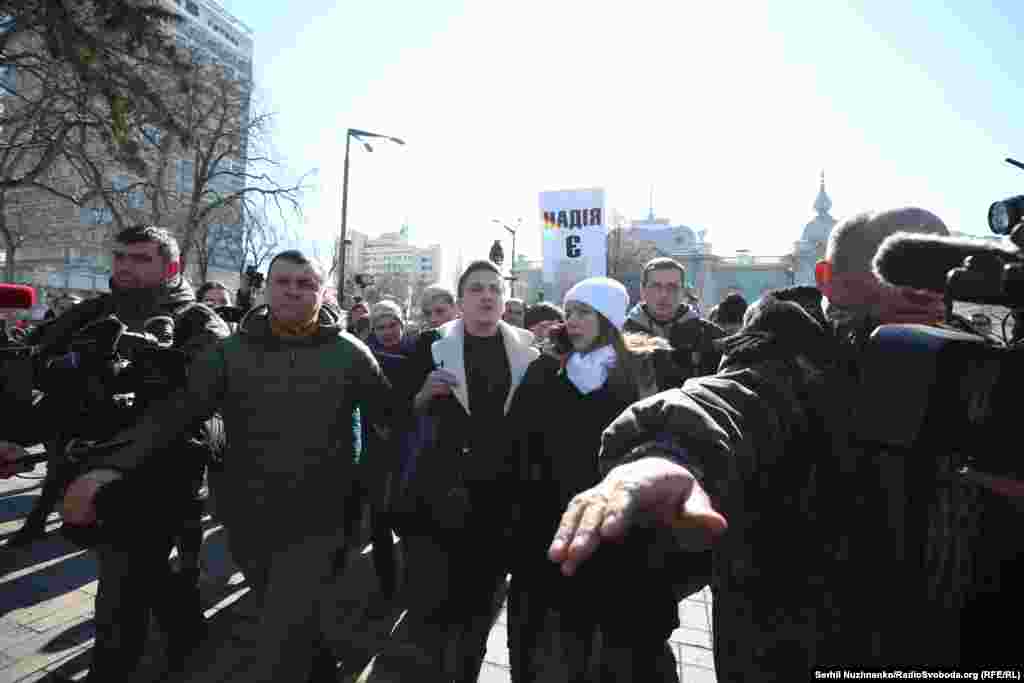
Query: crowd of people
(612, 459)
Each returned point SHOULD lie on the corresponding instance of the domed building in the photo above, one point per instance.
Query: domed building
(681, 242)
(709, 277)
(810, 248)
(712, 277)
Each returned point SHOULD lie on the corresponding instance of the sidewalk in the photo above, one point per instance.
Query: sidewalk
(46, 610)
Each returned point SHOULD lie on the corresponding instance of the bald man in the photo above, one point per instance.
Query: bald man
(812, 527)
(853, 292)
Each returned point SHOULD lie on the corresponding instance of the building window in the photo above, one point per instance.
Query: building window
(192, 8)
(152, 134)
(186, 175)
(134, 199)
(97, 216)
(8, 79)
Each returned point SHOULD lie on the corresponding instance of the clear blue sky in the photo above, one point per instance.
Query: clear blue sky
(730, 110)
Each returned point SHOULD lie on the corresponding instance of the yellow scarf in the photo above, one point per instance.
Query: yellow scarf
(290, 330)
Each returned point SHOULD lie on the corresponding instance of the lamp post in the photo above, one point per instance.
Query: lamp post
(512, 264)
(358, 135)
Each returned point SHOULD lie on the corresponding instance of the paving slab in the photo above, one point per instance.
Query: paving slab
(47, 594)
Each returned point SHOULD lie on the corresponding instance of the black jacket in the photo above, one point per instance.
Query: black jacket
(828, 518)
(558, 433)
(692, 338)
(165, 486)
(456, 487)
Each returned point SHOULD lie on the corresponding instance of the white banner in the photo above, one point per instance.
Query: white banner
(574, 238)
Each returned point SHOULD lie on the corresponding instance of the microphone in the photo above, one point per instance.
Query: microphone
(923, 261)
(17, 296)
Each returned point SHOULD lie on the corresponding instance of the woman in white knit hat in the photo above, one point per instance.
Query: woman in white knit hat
(559, 416)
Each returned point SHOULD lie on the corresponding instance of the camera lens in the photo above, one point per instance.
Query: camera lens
(1005, 214)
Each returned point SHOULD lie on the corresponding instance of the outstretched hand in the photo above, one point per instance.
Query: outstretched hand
(653, 488)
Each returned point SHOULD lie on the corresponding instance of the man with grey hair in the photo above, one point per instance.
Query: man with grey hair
(288, 385)
(772, 448)
(438, 306)
(853, 291)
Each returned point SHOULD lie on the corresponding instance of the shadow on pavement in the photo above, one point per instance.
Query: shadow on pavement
(73, 569)
(70, 637)
(16, 505)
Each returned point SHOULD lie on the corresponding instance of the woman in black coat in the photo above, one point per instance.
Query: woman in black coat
(629, 593)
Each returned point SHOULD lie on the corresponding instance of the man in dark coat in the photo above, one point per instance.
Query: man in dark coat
(133, 571)
(820, 527)
(663, 313)
(463, 484)
(287, 384)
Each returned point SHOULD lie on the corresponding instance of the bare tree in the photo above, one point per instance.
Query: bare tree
(261, 238)
(13, 230)
(221, 177)
(627, 254)
(72, 68)
(83, 64)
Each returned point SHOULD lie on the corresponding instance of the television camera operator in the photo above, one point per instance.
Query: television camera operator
(136, 340)
(215, 294)
(823, 443)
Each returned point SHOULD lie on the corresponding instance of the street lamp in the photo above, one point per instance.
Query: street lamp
(512, 264)
(358, 135)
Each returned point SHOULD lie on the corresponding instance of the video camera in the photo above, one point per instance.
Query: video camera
(254, 278)
(94, 386)
(957, 392)
(942, 405)
(957, 385)
(103, 379)
(252, 282)
(963, 269)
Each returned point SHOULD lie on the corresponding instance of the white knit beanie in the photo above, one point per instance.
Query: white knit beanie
(606, 296)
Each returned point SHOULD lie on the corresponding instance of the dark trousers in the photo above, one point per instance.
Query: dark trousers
(453, 591)
(290, 583)
(134, 581)
(53, 490)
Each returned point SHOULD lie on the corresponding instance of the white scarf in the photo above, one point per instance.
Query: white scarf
(589, 372)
